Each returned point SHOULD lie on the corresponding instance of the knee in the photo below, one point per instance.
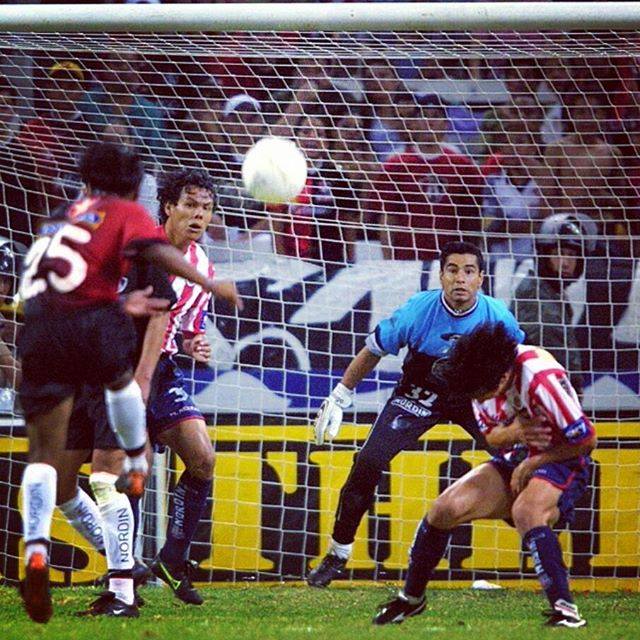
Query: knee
(201, 465)
(527, 514)
(447, 513)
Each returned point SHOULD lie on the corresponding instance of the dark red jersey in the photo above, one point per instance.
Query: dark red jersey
(433, 199)
(81, 256)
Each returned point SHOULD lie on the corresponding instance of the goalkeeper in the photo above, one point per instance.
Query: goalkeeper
(428, 324)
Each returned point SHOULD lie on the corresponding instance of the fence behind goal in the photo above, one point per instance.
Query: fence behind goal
(417, 131)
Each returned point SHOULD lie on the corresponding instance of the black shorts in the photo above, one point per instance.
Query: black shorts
(89, 426)
(61, 352)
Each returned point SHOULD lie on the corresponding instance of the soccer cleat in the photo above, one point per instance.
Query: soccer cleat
(34, 589)
(398, 610)
(108, 605)
(564, 614)
(131, 483)
(329, 569)
(178, 577)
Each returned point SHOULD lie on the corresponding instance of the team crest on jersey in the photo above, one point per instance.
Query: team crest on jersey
(433, 188)
(92, 219)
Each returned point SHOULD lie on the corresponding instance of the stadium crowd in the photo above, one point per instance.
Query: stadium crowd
(405, 153)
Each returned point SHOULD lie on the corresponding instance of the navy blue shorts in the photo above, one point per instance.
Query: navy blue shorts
(570, 476)
(169, 402)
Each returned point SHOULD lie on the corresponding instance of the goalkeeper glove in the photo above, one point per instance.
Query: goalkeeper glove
(329, 417)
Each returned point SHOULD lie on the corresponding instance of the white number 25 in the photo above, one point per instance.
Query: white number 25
(52, 247)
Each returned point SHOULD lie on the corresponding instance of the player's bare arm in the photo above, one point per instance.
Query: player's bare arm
(359, 367)
(565, 451)
(150, 355)
(172, 260)
(227, 290)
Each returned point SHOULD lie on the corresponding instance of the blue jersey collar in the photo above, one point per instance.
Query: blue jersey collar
(459, 314)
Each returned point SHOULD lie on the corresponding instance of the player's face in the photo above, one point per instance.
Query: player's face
(189, 218)
(461, 279)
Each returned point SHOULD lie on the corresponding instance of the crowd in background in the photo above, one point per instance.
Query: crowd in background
(404, 154)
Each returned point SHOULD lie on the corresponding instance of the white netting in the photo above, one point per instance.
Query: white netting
(499, 131)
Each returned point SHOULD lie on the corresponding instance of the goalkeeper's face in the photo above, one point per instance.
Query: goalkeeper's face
(461, 280)
(189, 218)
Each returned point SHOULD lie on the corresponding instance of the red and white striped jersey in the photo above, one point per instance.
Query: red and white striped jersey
(190, 311)
(540, 388)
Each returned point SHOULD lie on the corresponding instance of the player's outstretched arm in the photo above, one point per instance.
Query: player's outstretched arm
(151, 348)
(172, 260)
(329, 418)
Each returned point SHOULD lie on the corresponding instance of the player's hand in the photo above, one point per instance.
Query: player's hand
(522, 474)
(227, 291)
(536, 431)
(198, 347)
(140, 303)
(329, 416)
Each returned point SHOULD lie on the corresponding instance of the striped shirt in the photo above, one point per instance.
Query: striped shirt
(190, 311)
(540, 388)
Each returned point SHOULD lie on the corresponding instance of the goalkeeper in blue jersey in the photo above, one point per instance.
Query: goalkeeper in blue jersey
(428, 324)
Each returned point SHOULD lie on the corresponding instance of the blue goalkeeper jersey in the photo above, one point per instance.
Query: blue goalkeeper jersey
(428, 326)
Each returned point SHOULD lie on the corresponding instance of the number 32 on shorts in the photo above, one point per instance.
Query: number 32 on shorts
(53, 248)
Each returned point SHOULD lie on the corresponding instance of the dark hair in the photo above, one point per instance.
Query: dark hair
(111, 168)
(478, 360)
(461, 247)
(170, 186)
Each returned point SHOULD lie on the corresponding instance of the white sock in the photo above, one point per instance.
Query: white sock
(117, 519)
(343, 551)
(123, 588)
(126, 413)
(38, 501)
(84, 516)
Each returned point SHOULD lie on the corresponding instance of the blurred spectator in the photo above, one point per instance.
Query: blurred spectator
(231, 236)
(430, 194)
(390, 106)
(512, 198)
(22, 193)
(119, 132)
(540, 304)
(352, 154)
(196, 108)
(321, 224)
(59, 132)
(586, 175)
(116, 97)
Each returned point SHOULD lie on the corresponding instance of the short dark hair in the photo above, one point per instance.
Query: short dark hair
(111, 168)
(171, 184)
(461, 247)
(478, 360)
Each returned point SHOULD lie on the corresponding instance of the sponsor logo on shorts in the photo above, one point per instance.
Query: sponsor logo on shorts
(411, 407)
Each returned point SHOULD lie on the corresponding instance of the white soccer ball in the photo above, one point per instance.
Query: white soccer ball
(274, 170)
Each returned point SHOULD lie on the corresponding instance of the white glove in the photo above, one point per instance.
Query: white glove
(329, 416)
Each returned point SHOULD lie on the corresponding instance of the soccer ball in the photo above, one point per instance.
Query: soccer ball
(274, 170)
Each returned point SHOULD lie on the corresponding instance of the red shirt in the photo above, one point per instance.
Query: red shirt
(435, 198)
(80, 259)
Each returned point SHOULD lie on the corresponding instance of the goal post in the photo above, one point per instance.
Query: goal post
(421, 123)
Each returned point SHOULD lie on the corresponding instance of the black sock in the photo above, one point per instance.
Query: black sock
(188, 502)
(427, 550)
(546, 553)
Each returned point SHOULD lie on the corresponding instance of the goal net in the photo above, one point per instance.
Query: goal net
(414, 135)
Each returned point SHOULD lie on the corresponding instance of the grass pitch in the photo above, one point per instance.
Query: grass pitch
(292, 612)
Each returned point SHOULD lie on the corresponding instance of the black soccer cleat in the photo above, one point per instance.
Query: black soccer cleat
(108, 605)
(329, 569)
(398, 610)
(178, 577)
(34, 589)
(564, 614)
